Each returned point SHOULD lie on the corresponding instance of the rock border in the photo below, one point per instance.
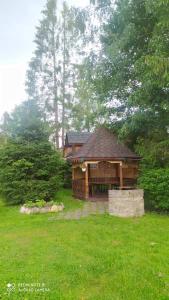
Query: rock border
(42, 210)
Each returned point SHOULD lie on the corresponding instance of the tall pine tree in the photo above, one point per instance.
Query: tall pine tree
(52, 70)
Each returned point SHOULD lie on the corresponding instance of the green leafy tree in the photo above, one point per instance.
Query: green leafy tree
(131, 79)
(30, 168)
(26, 123)
(87, 109)
(42, 82)
(3, 140)
(52, 70)
(70, 36)
(132, 76)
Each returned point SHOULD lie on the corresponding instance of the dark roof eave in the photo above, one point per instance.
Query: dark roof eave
(72, 144)
(104, 158)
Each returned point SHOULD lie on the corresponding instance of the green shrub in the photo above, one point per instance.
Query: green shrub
(155, 182)
(39, 204)
(67, 175)
(30, 171)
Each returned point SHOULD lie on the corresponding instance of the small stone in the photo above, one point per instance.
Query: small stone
(54, 208)
(57, 208)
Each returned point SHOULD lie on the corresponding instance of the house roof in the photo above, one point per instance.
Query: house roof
(74, 137)
(103, 144)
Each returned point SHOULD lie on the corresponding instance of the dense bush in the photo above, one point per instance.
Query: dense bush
(67, 175)
(30, 171)
(155, 182)
(154, 153)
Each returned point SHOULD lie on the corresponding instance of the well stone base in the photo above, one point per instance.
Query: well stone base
(126, 203)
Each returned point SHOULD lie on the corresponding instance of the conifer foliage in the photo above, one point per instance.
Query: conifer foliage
(30, 169)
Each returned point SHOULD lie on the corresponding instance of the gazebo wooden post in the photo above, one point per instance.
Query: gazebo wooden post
(73, 177)
(86, 183)
(121, 176)
(73, 173)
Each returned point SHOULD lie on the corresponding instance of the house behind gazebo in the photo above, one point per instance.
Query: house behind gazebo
(99, 163)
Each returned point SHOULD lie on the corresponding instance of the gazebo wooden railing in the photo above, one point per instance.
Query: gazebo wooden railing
(78, 185)
(105, 180)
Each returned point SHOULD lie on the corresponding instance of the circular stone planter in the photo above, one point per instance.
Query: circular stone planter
(43, 210)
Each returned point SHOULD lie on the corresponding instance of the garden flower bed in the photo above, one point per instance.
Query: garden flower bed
(41, 206)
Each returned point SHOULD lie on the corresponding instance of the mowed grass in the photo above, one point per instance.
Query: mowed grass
(97, 258)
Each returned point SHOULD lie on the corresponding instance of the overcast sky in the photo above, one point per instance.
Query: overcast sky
(18, 19)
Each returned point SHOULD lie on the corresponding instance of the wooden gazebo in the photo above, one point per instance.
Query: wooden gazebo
(101, 163)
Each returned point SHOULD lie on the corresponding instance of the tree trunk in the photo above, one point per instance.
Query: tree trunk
(55, 104)
(64, 79)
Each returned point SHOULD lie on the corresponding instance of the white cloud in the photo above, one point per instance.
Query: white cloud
(12, 91)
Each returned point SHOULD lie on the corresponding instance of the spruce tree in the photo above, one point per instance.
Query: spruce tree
(30, 168)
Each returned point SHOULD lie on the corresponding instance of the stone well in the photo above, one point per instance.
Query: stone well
(126, 203)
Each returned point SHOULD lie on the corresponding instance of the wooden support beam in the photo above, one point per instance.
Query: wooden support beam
(92, 162)
(87, 183)
(73, 177)
(114, 161)
(73, 173)
(117, 170)
(121, 175)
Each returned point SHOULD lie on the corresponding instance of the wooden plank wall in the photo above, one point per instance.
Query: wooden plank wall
(103, 169)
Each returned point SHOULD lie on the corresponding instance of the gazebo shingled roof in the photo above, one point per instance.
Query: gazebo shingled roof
(103, 144)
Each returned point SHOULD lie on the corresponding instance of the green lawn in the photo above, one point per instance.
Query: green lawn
(96, 258)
